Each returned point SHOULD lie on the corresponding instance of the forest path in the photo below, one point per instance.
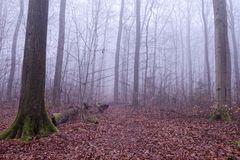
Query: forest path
(121, 134)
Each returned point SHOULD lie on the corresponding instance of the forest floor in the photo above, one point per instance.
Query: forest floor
(122, 135)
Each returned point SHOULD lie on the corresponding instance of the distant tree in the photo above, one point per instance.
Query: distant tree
(3, 20)
(118, 47)
(32, 118)
(137, 54)
(235, 51)
(189, 49)
(147, 54)
(206, 47)
(222, 54)
(60, 52)
(93, 49)
(13, 56)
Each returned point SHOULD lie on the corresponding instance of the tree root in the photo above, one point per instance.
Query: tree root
(28, 129)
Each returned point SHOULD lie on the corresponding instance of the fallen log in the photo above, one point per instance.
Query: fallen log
(63, 117)
(87, 113)
(102, 107)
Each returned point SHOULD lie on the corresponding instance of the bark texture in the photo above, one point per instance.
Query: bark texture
(32, 119)
(222, 54)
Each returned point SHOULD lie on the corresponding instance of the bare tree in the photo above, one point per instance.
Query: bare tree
(13, 55)
(60, 52)
(206, 47)
(94, 44)
(147, 54)
(137, 55)
(118, 47)
(32, 119)
(235, 51)
(189, 50)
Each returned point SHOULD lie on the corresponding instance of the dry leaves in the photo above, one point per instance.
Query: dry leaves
(123, 135)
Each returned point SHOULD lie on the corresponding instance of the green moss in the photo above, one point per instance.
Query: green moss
(57, 115)
(237, 142)
(48, 128)
(92, 119)
(221, 113)
(5, 134)
(27, 130)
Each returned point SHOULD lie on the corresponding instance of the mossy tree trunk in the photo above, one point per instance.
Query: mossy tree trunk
(32, 119)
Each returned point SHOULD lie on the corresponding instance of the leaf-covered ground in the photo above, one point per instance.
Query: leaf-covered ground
(121, 135)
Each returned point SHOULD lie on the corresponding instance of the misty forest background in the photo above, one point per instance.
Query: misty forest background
(177, 60)
(106, 79)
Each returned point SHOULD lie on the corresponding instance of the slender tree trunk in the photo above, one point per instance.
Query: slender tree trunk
(95, 46)
(235, 52)
(127, 43)
(155, 56)
(137, 55)
(147, 57)
(32, 119)
(189, 52)
(101, 73)
(206, 48)
(118, 48)
(222, 54)
(13, 56)
(60, 52)
(1, 25)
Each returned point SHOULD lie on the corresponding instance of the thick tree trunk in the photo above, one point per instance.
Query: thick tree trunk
(60, 52)
(32, 119)
(137, 55)
(222, 54)
(118, 47)
(13, 56)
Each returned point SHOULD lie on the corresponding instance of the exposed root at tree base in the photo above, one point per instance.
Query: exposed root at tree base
(28, 129)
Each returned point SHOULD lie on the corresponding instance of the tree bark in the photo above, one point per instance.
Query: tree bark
(60, 52)
(13, 55)
(118, 48)
(32, 119)
(222, 54)
(137, 55)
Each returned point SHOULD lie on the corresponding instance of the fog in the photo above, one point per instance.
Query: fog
(172, 49)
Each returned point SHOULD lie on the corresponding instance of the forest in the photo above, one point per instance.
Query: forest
(119, 80)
